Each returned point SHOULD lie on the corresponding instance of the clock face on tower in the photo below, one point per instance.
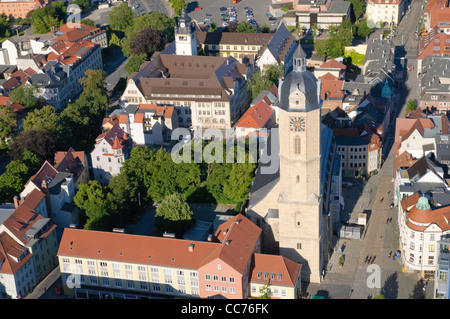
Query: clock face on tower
(182, 24)
(297, 124)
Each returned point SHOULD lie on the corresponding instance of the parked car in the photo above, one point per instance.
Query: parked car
(208, 19)
(225, 24)
(198, 8)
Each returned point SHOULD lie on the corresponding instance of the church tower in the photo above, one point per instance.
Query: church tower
(299, 202)
(185, 36)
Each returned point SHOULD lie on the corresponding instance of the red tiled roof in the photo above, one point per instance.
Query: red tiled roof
(285, 272)
(415, 215)
(331, 86)
(9, 248)
(257, 116)
(405, 126)
(333, 64)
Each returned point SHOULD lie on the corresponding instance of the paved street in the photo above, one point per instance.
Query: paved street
(353, 280)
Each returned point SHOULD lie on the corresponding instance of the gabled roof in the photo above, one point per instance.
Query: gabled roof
(274, 270)
(45, 174)
(235, 246)
(404, 127)
(404, 160)
(333, 64)
(256, 116)
(115, 132)
(420, 168)
(9, 251)
(70, 162)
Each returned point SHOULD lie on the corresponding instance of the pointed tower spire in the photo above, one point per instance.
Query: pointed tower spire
(299, 58)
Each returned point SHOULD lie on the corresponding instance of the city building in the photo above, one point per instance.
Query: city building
(78, 31)
(306, 14)
(423, 176)
(20, 9)
(380, 12)
(435, 83)
(377, 72)
(260, 49)
(28, 246)
(59, 190)
(416, 134)
(206, 91)
(291, 202)
(441, 279)
(257, 121)
(111, 149)
(423, 223)
(147, 124)
(437, 13)
(115, 265)
(58, 81)
(75, 163)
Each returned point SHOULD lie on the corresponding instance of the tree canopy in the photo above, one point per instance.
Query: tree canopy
(121, 17)
(178, 5)
(16, 174)
(52, 15)
(174, 215)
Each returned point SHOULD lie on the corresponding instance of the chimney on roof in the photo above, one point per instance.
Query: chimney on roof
(16, 201)
(72, 226)
(210, 237)
(191, 247)
(118, 230)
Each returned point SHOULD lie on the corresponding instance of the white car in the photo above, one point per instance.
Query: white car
(225, 24)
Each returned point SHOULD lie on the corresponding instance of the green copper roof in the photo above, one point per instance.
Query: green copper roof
(422, 203)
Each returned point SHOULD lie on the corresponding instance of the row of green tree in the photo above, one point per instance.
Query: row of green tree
(151, 175)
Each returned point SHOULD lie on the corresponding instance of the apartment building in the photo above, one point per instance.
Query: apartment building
(441, 279)
(257, 121)
(360, 155)
(75, 163)
(59, 190)
(416, 134)
(115, 265)
(206, 91)
(424, 176)
(306, 14)
(437, 13)
(147, 124)
(385, 11)
(58, 81)
(436, 44)
(28, 246)
(19, 9)
(111, 149)
(262, 49)
(435, 82)
(79, 31)
(423, 223)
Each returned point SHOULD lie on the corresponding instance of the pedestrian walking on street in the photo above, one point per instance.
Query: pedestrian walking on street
(367, 257)
(373, 259)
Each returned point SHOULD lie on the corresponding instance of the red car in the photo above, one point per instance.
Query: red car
(198, 8)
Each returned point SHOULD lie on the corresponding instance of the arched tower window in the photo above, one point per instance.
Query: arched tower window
(297, 145)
